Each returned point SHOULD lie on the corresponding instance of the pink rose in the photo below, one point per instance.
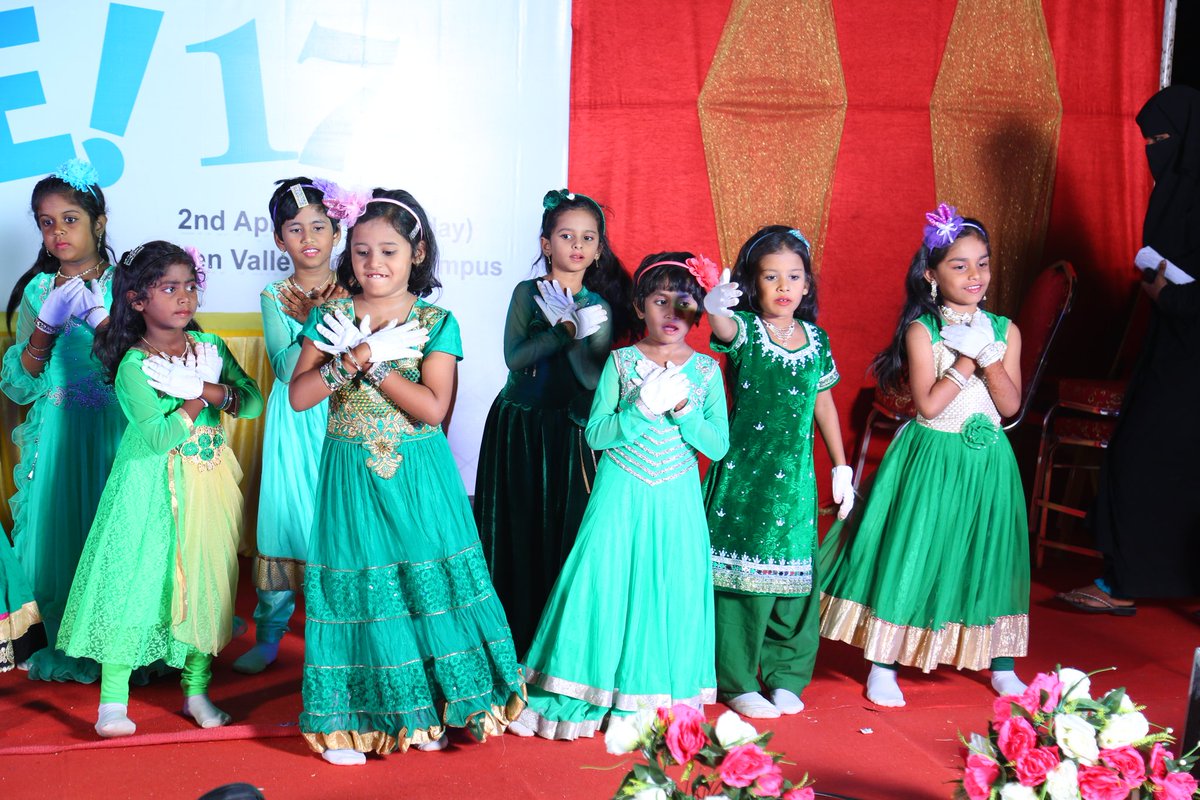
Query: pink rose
(744, 764)
(1174, 786)
(1128, 762)
(1033, 766)
(1051, 685)
(1016, 737)
(1002, 705)
(981, 772)
(1101, 783)
(799, 793)
(769, 784)
(685, 736)
(1158, 760)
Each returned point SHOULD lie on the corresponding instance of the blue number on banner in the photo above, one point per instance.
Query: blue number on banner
(245, 112)
(38, 156)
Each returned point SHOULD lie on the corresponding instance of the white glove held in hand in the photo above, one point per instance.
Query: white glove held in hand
(554, 301)
(392, 342)
(90, 305)
(586, 319)
(663, 390)
(175, 378)
(721, 299)
(60, 303)
(341, 334)
(843, 490)
(970, 339)
(208, 362)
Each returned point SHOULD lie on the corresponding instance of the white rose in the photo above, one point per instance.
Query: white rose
(651, 793)
(732, 730)
(1062, 782)
(1076, 685)
(1124, 729)
(1076, 738)
(621, 737)
(1015, 791)
(1126, 705)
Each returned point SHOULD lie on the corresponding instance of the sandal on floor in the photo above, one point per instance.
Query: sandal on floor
(1089, 603)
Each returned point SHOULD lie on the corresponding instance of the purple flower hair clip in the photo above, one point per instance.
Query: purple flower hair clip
(198, 263)
(944, 225)
(342, 204)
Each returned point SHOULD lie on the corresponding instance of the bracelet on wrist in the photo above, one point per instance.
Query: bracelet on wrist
(379, 372)
(955, 377)
(331, 377)
(29, 343)
(35, 356)
(46, 327)
(349, 354)
(989, 355)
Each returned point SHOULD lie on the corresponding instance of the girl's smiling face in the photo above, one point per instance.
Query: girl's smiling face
(668, 316)
(382, 258)
(964, 273)
(170, 302)
(309, 238)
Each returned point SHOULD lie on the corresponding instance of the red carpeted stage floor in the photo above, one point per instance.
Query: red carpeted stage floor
(48, 748)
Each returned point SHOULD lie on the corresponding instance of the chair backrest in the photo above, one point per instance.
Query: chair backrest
(1046, 303)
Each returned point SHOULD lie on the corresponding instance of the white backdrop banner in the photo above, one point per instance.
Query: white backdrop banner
(191, 111)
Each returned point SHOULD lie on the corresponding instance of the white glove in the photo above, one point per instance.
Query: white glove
(175, 378)
(970, 339)
(392, 342)
(663, 391)
(721, 299)
(843, 490)
(586, 319)
(554, 301)
(90, 305)
(341, 334)
(60, 303)
(208, 362)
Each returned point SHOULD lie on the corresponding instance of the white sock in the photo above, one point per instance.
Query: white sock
(787, 702)
(23, 666)
(257, 658)
(201, 709)
(518, 728)
(344, 757)
(430, 747)
(882, 689)
(112, 720)
(754, 705)
(1006, 682)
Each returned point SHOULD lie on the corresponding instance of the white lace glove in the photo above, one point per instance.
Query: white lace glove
(392, 342)
(554, 301)
(663, 391)
(60, 303)
(721, 299)
(175, 378)
(969, 339)
(90, 305)
(843, 490)
(586, 319)
(341, 334)
(208, 362)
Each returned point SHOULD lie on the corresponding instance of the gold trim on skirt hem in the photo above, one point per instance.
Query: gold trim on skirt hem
(961, 646)
(562, 731)
(18, 622)
(278, 574)
(607, 698)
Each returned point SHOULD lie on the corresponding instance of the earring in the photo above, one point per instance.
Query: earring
(47, 249)
(933, 290)
(549, 263)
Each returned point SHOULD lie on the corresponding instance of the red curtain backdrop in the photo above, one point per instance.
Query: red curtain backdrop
(637, 71)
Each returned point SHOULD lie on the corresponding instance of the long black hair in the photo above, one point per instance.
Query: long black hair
(137, 272)
(283, 205)
(774, 239)
(422, 279)
(890, 364)
(607, 277)
(653, 276)
(91, 201)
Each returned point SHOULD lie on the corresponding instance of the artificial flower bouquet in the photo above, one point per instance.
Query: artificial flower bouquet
(726, 760)
(1055, 742)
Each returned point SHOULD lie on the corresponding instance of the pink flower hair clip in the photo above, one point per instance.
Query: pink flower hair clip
(198, 263)
(707, 272)
(342, 204)
(944, 225)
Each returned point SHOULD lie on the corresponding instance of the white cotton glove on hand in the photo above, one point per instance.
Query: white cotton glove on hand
(341, 334)
(208, 362)
(392, 342)
(843, 490)
(663, 391)
(968, 340)
(175, 378)
(60, 303)
(722, 298)
(555, 302)
(90, 305)
(586, 319)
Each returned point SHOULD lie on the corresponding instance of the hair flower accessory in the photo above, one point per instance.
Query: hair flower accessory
(705, 271)
(198, 262)
(796, 232)
(944, 225)
(556, 197)
(80, 174)
(342, 204)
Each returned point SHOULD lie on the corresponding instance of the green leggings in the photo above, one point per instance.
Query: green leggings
(114, 678)
(1000, 664)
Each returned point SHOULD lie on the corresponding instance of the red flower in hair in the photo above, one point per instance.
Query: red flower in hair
(704, 270)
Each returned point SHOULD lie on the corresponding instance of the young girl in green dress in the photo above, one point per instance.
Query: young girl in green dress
(535, 468)
(71, 432)
(404, 634)
(761, 498)
(935, 568)
(629, 624)
(157, 576)
(292, 440)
